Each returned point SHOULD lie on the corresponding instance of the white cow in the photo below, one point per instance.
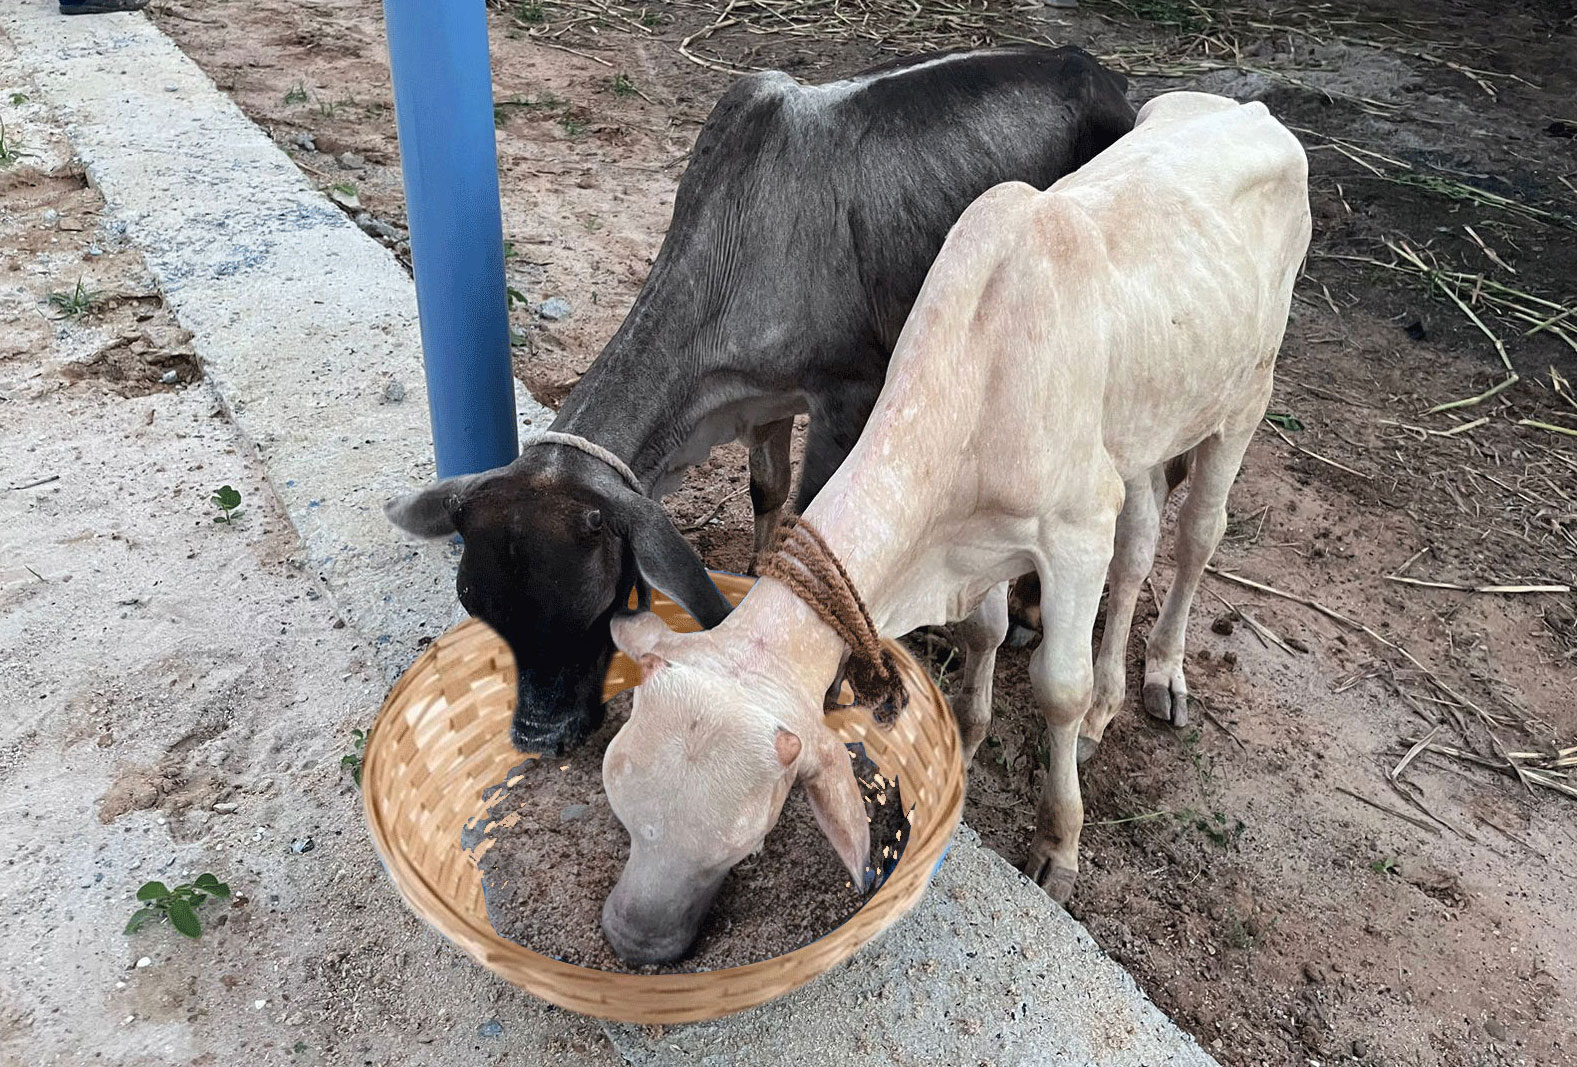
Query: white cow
(1066, 345)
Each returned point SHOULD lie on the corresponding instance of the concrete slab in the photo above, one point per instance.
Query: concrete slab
(300, 319)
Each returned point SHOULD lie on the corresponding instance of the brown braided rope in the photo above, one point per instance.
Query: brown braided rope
(812, 571)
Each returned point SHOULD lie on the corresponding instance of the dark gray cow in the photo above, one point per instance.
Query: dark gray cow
(801, 233)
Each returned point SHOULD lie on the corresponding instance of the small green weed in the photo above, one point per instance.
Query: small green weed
(1219, 830)
(1282, 420)
(593, 224)
(509, 251)
(18, 99)
(345, 188)
(531, 12)
(11, 150)
(623, 86)
(1384, 865)
(514, 296)
(228, 500)
(1215, 825)
(651, 18)
(296, 95)
(76, 303)
(573, 127)
(351, 761)
(179, 905)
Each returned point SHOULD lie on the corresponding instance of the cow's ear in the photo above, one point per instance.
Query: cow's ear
(430, 512)
(665, 558)
(835, 798)
(638, 634)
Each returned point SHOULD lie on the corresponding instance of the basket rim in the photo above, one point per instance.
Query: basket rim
(481, 942)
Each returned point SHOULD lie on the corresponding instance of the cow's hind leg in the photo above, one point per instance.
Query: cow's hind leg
(1064, 680)
(1138, 527)
(770, 473)
(981, 633)
(1200, 524)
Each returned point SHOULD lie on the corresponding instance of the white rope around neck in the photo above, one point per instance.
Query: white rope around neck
(591, 448)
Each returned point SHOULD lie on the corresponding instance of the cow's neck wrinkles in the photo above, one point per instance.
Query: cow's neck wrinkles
(651, 392)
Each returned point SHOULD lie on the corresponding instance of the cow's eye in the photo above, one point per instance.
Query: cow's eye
(594, 520)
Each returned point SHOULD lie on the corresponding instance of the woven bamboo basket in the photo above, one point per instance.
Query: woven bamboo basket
(443, 737)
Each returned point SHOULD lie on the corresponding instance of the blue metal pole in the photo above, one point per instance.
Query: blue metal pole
(443, 105)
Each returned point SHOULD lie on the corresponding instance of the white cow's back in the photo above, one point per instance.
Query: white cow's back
(1088, 331)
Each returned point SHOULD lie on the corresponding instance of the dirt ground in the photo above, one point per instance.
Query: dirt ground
(1263, 874)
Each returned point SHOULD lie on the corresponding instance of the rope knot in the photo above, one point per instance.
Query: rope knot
(805, 564)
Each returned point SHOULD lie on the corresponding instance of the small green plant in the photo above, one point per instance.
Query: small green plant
(651, 18)
(1384, 865)
(351, 761)
(296, 95)
(344, 188)
(509, 251)
(1215, 826)
(18, 99)
(11, 150)
(1282, 420)
(530, 12)
(1219, 830)
(623, 86)
(593, 224)
(573, 126)
(228, 500)
(179, 905)
(514, 296)
(76, 303)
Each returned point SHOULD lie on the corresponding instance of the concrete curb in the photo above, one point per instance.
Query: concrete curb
(300, 320)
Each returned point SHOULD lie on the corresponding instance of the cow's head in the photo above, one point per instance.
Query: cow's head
(698, 776)
(550, 551)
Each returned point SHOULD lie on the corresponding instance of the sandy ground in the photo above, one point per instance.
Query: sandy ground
(1259, 873)
(178, 695)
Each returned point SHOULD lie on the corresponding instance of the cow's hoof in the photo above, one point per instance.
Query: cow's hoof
(1087, 749)
(1167, 702)
(1020, 636)
(1055, 879)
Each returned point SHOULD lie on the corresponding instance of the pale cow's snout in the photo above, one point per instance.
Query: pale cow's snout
(647, 928)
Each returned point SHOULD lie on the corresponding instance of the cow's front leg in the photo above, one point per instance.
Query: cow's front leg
(1063, 675)
(770, 473)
